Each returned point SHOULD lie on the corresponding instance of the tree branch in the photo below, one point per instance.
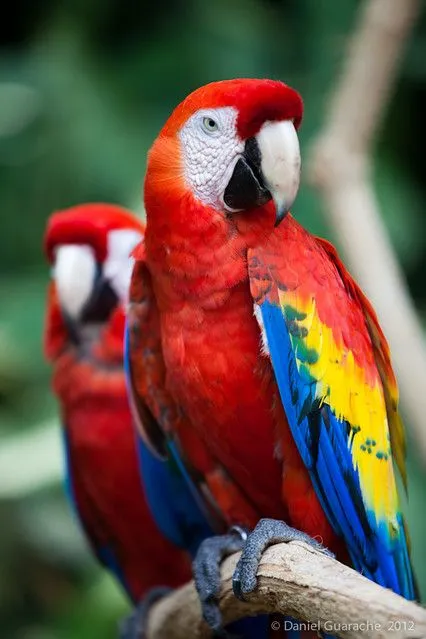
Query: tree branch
(298, 580)
(339, 168)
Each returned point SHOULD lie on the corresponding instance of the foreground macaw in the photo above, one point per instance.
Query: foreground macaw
(88, 247)
(271, 350)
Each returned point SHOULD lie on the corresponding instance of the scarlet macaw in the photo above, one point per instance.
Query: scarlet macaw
(271, 351)
(134, 531)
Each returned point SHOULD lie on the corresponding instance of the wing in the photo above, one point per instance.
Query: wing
(176, 493)
(87, 515)
(332, 365)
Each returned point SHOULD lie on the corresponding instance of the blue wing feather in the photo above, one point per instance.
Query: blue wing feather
(171, 500)
(322, 441)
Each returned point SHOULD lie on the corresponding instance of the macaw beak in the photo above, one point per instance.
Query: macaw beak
(280, 164)
(269, 168)
(74, 273)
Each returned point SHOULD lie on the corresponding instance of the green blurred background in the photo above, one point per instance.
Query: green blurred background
(84, 87)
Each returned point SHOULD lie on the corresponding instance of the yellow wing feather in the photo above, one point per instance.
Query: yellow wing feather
(343, 385)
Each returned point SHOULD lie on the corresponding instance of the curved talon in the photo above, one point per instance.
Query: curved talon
(236, 584)
(267, 533)
(134, 625)
(250, 582)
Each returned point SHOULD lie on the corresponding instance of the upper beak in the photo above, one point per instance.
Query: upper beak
(74, 275)
(268, 168)
(280, 163)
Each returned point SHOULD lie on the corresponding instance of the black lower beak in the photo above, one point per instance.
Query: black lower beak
(246, 188)
(97, 310)
(101, 303)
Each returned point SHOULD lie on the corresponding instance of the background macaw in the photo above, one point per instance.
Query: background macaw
(271, 351)
(88, 247)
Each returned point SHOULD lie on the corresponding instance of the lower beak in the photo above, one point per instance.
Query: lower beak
(246, 188)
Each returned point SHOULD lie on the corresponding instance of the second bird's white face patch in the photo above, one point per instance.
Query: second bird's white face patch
(118, 265)
(210, 156)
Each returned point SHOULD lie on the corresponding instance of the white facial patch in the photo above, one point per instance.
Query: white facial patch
(210, 148)
(118, 266)
(74, 273)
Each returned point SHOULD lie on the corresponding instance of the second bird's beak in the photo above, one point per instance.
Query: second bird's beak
(268, 169)
(74, 275)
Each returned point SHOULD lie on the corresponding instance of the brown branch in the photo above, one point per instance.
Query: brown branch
(295, 579)
(339, 168)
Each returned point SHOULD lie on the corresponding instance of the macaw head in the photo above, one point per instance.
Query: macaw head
(233, 146)
(88, 247)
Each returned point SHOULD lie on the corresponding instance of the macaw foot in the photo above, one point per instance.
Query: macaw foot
(266, 533)
(135, 625)
(206, 571)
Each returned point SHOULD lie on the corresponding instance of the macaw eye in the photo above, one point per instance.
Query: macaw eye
(210, 125)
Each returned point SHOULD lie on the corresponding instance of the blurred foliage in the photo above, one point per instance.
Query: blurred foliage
(84, 87)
